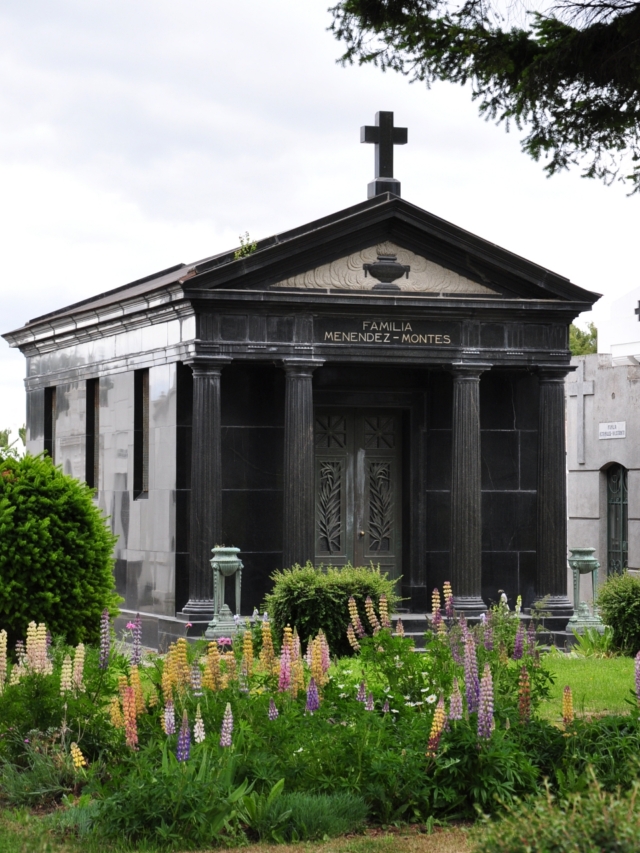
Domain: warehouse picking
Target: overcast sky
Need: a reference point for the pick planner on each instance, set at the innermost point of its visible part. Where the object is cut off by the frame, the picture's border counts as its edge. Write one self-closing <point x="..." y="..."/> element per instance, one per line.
<point x="139" y="134"/>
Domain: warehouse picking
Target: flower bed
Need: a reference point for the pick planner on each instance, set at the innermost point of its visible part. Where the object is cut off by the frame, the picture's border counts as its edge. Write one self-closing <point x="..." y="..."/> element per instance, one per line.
<point x="268" y="737"/>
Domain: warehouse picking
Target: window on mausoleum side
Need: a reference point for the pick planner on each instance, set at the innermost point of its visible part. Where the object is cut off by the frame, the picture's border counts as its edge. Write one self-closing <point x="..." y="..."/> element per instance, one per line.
<point x="50" y="422"/>
<point x="92" y="448"/>
<point x="141" y="434"/>
<point x="617" y="519"/>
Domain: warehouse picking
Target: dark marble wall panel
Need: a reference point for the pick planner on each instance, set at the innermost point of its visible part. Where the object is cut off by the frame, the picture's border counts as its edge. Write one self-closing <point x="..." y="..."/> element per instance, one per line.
<point x="252" y="471"/>
<point x="35" y="421"/>
<point x="508" y="419"/>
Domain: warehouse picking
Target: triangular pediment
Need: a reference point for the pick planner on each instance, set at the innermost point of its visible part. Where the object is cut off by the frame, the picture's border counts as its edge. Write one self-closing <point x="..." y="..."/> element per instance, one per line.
<point x="348" y="273"/>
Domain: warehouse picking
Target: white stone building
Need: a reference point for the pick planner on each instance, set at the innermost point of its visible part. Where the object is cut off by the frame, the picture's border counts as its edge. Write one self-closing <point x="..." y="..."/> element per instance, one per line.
<point x="603" y="444"/>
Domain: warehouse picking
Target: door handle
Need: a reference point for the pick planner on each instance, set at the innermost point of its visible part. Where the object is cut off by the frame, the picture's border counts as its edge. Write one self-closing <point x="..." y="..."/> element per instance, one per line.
<point x="361" y="533"/>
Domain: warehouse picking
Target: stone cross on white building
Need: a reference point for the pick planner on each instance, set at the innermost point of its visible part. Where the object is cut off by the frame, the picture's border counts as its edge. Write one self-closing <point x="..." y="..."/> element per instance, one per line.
<point x="580" y="389"/>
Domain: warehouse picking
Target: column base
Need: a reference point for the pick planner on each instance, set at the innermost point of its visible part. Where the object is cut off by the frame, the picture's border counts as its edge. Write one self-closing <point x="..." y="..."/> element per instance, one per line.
<point x="196" y="609"/>
<point x="469" y="605"/>
<point x="556" y="605"/>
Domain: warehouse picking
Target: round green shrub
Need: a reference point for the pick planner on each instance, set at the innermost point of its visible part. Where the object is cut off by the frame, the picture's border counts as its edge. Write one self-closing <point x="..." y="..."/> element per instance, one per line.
<point x="310" y="599"/>
<point x="619" y="603"/>
<point x="56" y="563"/>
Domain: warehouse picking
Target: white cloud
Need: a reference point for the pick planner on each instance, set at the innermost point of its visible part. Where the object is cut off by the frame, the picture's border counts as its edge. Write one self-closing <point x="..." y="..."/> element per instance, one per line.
<point x="138" y="135"/>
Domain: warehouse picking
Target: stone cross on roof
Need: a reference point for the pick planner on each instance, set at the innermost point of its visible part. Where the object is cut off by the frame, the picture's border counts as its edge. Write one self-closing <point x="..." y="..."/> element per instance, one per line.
<point x="384" y="136"/>
<point x="580" y="389"/>
<point x="637" y="311"/>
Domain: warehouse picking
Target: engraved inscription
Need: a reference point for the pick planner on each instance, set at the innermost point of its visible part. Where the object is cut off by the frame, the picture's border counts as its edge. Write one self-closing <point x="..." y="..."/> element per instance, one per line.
<point x="341" y="330"/>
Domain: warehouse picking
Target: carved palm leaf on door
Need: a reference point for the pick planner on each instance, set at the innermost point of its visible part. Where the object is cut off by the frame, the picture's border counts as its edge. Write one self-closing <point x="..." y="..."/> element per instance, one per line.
<point x="329" y="510"/>
<point x="380" y="506"/>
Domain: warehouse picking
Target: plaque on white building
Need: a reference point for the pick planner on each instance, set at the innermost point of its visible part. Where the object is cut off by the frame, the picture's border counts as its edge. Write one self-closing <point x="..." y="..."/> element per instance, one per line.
<point x="614" y="429"/>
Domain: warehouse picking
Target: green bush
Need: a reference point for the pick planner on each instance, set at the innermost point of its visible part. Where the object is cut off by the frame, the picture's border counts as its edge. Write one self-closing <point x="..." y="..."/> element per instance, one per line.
<point x="311" y="599"/>
<point x="619" y="603"/>
<point x="594" y="822"/>
<point x="56" y="562"/>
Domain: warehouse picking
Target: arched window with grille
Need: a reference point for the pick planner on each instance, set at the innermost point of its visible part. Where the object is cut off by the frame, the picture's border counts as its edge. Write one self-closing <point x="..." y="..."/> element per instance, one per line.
<point x="617" y="519"/>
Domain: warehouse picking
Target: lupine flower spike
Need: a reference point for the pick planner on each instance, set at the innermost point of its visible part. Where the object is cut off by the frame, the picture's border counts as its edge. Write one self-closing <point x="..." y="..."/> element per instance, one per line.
<point x="531" y="638"/>
<point x="518" y="648"/>
<point x="77" y="757"/>
<point x="368" y="705"/>
<point x="384" y="611"/>
<point x="355" y="618"/>
<point x="371" y="614"/>
<point x="136" y="651"/>
<point x="198" y="728"/>
<point x="399" y="628"/>
<point x="567" y="706"/>
<point x="184" y="739"/>
<point x="169" y="718"/>
<point x="66" y="672"/>
<point x="313" y="700"/>
<point x="437" y="727"/>
<point x="129" y="711"/>
<point x="448" y="599"/>
<point x="524" y="696"/>
<point x="637" y="673"/>
<point x="472" y="685"/>
<point x="284" y="681"/>
<point x="485" y="710"/>
<point x="3" y="659"/>
<point x="385" y="707"/>
<point x="273" y="711"/>
<point x="105" y="639"/>
<point x="227" y="727"/>
<point x="196" y="679"/>
<point x="455" y="704"/>
<point x="361" y="695"/>
<point x="353" y="640"/>
<point x="435" y="601"/>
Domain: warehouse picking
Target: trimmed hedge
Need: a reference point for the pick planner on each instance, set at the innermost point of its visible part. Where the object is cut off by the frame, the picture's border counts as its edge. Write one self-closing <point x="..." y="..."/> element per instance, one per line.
<point x="56" y="563"/>
<point x="619" y="604"/>
<point x="311" y="599"/>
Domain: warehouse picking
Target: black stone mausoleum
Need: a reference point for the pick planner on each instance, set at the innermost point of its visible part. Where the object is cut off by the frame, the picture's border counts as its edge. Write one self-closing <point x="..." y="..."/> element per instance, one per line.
<point x="376" y="386"/>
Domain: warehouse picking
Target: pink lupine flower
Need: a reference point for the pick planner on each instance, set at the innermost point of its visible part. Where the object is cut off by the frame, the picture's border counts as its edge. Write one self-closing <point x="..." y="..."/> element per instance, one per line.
<point x="455" y="703"/>
<point x="284" y="681"/>
<point x="472" y="685"/>
<point x="169" y="718"/>
<point x="368" y="705"/>
<point x="361" y="695"/>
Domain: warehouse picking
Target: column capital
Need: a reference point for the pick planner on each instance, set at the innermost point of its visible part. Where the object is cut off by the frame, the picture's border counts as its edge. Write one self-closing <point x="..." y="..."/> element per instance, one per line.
<point x="302" y="366"/>
<point x="202" y="365"/>
<point x="554" y="372"/>
<point x="468" y="370"/>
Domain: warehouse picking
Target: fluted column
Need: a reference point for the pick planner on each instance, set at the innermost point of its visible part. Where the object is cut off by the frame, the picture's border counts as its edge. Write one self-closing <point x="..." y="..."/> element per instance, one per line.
<point x="466" y="508"/>
<point x="299" y="492"/>
<point x="552" y="492"/>
<point x="206" y="485"/>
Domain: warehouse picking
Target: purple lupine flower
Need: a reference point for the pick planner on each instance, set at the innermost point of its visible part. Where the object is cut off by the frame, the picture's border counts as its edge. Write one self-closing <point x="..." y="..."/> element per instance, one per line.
<point x="227" y="726"/>
<point x="485" y="711"/>
<point x="313" y="700"/>
<point x="169" y="718"/>
<point x="361" y="695"/>
<point x="455" y="703"/>
<point x="368" y="705"/>
<point x="488" y="636"/>
<point x="464" y="628"/>
<point x="273" y="711"/>
<point x="455" y="649"/>
<point x="518" y="648"/>
<point x="105" y="639"/>
<point x="196" y="679"/>
<point x="471" y="682"/>
<point x="385" y="707"/>
<point x="437" y="619"/>
<point x="136" y="651"/>
<point x="531" y="638"/>
<point x="184" y="739"/>
<point x="638" y="676"/>
<point x="284" y="682"/>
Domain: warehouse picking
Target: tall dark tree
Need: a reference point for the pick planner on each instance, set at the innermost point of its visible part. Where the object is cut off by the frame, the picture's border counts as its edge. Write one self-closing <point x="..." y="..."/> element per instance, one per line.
<point x="570" y="78"/>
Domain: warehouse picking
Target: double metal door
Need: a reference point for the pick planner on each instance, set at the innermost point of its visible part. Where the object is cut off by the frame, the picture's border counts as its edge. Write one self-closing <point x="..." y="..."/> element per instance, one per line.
<point x="358" y="457"/>
<point x="617" y="519"/>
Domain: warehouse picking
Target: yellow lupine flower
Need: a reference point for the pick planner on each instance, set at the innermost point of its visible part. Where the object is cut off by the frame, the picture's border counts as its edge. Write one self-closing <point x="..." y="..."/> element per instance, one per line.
<point x="77" y="757"/>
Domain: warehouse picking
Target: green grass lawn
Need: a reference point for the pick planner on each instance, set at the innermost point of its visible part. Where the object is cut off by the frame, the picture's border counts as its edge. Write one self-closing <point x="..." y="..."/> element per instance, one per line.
<point x="599" y="685"/>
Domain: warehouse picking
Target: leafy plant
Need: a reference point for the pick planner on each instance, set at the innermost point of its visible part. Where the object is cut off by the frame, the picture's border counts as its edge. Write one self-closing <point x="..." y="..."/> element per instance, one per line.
<point x="313" y="599"/>
<point x="593" y="644"/>
<point x="590" y="822"/>
<point x="619" y="605"/>
<point x="247" y="247"/>
<point x="56" y="563"/>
